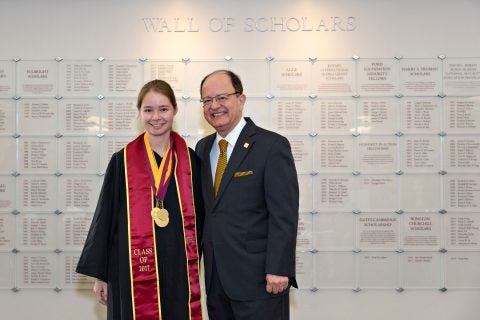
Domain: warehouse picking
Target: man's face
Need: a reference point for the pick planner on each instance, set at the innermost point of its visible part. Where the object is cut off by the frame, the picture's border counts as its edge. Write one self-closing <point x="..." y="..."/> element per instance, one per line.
<point x="222" y="115"/>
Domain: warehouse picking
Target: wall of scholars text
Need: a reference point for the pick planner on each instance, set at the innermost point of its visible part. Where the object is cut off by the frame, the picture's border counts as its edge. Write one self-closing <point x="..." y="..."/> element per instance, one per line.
<point x="387" y="152"/>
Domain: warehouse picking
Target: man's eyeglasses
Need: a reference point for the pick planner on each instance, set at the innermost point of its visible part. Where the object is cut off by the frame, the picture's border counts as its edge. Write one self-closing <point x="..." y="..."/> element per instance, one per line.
<point x="221" y="98"/>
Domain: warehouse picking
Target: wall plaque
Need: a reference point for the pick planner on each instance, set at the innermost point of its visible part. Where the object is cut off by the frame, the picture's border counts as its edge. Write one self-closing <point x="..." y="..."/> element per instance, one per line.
<point x="7" y="231"/>
<point x="462" y="153"/>
<point x="376" y="192"/>
<point x="461" y="76"/>
<point x="420" y="231"/>
<point x="259" y="110"/>
<point x="7" y="263"/>
<point x="304" y="270"/>
<point x="333" y="232"/>
<point x="377" y="153"/>
<point x="7" y="79"/>
<point x="37" y="116"/>
<point x="333" y="116"/>
<point x="79" y="78"/>
<point x="420" y="77"/>
<point x="172" y="72"/>
<point x="79" y="116"/>
<point x="7" y="117"/>
<point x="36" y="193"/>
<point x="463" y="231"/>
<point x="334" y="270"/>
<point x="37" y="155"/>
<point x="290" y="78"/>
<point x="420" y="153"/>
<point x="36" y="231"/>
<point x="421" y="270"/>
<point x="119" y="116"/>
<point x="377" y="232"/>
<point x="68" y="278"/>
<point x="420" y="115"/>
<point x="462" y="115"/>
<point x="73" y="229"/>
<point x="333" y="78"/>
<point x="37" y="78"/>
<point x="378" y="270"/>
<point x="80" y="192"/>
<point x="36" y="270"/>
<point x="304" y="233"/>
<point x="462" y="192"/>
<point x="420" y="192"/>
<point x="254" y="75"/>
<point x="462" y="270"/>
<point x="78" y="154"/>
<point x="121" y="78"/>
<point x="8" y="163"/>
<point x="333" y="154"/>
<point x="301" y="147"/>
<point x="291" y="116"/>
<point x="377" y="115"/>
<point x="333" y="193"/>
<point x="377" y="77"/>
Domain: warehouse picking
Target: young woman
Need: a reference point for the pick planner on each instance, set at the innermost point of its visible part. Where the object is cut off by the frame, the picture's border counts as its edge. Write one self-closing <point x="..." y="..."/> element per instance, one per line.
<point x="143" y="243"/>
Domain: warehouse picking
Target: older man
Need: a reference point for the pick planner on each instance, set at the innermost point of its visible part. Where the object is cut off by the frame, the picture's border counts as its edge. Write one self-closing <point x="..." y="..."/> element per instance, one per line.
<point x="250" y="191"/>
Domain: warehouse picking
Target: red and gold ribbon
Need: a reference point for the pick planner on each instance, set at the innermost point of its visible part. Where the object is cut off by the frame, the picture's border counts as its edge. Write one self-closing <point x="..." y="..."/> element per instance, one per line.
<point x="159" y="175"/>
<point x="142" y="250"/>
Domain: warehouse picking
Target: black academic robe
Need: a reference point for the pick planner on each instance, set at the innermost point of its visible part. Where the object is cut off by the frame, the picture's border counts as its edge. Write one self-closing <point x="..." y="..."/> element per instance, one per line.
<point x="105" y="254"/>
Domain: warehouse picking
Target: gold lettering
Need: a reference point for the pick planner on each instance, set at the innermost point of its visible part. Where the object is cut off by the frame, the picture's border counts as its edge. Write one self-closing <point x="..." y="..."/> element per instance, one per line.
<point x="144" y="268"/>
<point x="143" y="252"/>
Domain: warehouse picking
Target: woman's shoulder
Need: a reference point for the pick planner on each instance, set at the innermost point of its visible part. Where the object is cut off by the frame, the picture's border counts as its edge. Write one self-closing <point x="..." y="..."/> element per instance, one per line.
<point x="116" y="159"/>
<point x="118" y="155"/>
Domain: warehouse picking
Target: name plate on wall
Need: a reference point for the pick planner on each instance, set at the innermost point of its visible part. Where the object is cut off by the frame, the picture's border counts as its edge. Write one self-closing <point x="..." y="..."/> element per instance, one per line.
<point x="7" y="79"/>
<point x="36" y="270"/>
<point x="80" y="78"/>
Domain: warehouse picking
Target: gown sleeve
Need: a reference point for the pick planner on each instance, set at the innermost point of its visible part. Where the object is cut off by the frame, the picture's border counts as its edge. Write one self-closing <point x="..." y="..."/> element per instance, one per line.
<point x="98" y="247"/>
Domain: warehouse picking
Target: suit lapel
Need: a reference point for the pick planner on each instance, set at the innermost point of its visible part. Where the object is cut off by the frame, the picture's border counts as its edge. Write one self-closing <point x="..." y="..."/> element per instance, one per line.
<point x="243" y="145"/>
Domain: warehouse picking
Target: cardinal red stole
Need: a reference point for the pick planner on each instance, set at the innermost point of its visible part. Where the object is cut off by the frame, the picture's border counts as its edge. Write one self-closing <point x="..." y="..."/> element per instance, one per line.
<point x="142" y="250"/>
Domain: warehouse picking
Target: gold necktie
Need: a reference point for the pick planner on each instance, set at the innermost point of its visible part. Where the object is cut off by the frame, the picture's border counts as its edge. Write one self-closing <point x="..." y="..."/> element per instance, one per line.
<point x="221" y="164"/>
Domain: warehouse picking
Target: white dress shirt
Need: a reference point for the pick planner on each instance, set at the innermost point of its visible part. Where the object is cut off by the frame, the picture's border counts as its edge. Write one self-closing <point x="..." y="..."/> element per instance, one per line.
<point x="231" y="138"/>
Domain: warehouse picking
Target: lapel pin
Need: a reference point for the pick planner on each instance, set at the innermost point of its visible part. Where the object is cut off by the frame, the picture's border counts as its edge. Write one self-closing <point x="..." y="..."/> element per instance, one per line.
<point x="245" y="145"/>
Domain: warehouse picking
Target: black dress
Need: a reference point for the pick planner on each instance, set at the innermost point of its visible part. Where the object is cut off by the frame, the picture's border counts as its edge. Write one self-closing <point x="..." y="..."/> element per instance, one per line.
<point x="105" y="254"/>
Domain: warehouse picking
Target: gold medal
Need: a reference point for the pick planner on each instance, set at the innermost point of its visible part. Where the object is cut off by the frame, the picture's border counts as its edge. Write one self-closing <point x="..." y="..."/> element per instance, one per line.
<point x="160" y="216"/>
<point x="161" y="223"/>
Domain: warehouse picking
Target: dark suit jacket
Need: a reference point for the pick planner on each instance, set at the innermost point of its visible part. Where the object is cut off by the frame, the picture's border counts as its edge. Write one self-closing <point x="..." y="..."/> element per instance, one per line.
<point x="251" y="226"/>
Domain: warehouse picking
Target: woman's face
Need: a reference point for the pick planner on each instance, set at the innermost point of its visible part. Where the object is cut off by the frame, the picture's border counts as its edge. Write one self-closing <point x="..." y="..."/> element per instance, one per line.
<point x="156" y="114"/>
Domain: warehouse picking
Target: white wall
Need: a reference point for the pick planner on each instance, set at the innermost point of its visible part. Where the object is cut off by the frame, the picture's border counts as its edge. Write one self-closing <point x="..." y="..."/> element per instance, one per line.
<point x="72" y="29"/>
<point x="114" y="29"/>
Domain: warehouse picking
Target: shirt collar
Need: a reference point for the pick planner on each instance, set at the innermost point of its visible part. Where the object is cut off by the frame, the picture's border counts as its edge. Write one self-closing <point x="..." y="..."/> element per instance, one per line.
<point x="232" y="137"/>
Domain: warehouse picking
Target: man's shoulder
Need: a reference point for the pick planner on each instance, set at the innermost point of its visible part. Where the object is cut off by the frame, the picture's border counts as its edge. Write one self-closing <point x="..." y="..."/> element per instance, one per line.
<point x="268" y="135"/>
<point x="200" y="145"/>
<point x="267" y="132"/>
<point x="203" y="140"/>
<point x="252" y="126"/>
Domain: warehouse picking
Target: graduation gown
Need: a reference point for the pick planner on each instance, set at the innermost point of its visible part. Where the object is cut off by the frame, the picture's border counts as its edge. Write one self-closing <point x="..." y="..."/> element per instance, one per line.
<point x="105" y="255"/>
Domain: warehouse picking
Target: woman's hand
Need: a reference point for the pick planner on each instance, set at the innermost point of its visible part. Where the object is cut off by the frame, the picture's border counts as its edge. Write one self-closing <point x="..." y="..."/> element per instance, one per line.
<point x="100" y="289"/>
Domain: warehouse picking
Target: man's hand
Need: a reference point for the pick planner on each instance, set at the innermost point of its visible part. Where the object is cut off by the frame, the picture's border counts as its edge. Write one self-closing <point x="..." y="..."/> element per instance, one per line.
<point x="276" y="284"/>
<point x="100" y="289"/>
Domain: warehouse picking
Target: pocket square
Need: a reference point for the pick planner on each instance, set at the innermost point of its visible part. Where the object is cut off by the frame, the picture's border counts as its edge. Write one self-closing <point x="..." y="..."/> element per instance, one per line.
<point x="242" y="173"/>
